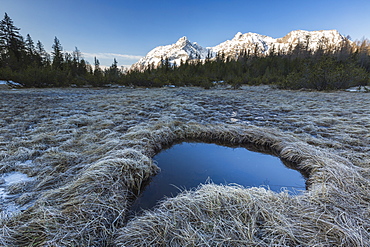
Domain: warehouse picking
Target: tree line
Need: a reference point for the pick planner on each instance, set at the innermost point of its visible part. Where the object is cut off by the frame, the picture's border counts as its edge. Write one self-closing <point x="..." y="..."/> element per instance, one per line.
<point x="23" y="61"/>
<point x="323" y="69"/>
<point x="26" y="62"/>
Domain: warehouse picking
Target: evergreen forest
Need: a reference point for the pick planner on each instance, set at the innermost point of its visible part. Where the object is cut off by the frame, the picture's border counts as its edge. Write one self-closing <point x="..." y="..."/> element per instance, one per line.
<point x="26" y="62"/>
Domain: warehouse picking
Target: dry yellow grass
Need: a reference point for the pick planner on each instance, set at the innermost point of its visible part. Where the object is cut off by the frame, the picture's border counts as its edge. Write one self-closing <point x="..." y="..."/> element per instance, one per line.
<point x="90" y="154"/>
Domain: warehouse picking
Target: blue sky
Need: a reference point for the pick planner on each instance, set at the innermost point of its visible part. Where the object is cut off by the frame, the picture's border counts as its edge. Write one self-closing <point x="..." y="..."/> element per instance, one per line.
<point x="128" y="29"/>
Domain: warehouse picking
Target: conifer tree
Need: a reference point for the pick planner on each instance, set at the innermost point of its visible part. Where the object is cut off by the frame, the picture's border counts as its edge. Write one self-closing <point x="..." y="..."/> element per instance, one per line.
<point x="11" y="42"/>
<point x="57" y="54"/>
<point x="77" y="55"/>
<point x="96" y="64"/>
<point x="30" y="46"/>
<point x="42" y="55"/>
<point x="113" y="72"/>
<point x="9" y="33"/>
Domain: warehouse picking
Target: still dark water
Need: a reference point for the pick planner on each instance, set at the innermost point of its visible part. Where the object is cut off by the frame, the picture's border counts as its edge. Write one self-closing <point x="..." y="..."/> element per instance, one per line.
<point x="186" y="165"/>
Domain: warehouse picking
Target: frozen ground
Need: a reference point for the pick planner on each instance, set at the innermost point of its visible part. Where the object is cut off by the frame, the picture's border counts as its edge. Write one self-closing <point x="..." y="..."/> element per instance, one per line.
<point x="82" y="147"/>
<point x="9" y="181"/>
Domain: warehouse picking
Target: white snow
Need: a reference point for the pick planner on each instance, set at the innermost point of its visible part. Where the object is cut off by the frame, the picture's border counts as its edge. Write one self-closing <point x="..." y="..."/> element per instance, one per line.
<point x="15" y="84"/>
<point x="8" y="179"/>
<point x="15" y="177"/>
<point x="7" y="206"/>
<point x="10" y="83"/>
<point x="358" y="89"/>
<point x="183" y="50"/>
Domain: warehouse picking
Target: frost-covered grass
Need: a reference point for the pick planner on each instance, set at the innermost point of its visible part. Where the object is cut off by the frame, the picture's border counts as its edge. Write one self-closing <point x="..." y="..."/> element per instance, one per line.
<point x="89" y="153"/>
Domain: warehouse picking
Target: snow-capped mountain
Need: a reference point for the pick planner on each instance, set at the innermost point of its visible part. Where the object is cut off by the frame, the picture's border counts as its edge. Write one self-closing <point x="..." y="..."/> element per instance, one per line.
<point x="314" y="39"/>
<point x="252" y="43"/>
<point x="182" y="50"/>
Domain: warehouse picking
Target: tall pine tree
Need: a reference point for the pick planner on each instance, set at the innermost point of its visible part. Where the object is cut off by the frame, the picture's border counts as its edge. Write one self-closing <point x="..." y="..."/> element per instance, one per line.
<point x="57" y="54"/>
<point x="11" y="43"/>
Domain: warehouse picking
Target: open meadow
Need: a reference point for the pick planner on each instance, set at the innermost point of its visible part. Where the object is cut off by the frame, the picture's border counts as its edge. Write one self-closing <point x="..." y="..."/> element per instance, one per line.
<point x="87" y="154"/>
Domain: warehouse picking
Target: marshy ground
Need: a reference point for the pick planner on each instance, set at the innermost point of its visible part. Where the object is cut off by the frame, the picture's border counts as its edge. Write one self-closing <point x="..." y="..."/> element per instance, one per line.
<point x="89" y="153"/>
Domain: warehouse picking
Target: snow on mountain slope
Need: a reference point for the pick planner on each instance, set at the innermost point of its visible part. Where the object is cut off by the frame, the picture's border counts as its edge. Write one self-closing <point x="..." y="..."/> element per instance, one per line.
<point x="182" y="50"/>
<point x="252" y="43"/>
<point x="315" y="39"/>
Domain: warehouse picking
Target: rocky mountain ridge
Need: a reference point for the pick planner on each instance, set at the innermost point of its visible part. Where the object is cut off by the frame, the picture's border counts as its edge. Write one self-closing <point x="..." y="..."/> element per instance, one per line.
<point x="252" y="43"/>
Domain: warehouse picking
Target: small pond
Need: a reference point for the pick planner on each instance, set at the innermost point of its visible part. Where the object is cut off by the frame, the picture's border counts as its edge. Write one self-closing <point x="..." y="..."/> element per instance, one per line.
<point x="186" y="165"/>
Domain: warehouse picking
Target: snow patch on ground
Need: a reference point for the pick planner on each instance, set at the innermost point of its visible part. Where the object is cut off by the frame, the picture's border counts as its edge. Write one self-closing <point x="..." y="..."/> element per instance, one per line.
<point x="358" y="89"/>
<point x="8" y="206"/>
<point x="10" y="83"/>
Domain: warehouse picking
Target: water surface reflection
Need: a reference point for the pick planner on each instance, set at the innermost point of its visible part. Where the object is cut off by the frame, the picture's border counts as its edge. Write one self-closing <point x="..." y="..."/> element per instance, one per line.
<point x="186" y="165"/>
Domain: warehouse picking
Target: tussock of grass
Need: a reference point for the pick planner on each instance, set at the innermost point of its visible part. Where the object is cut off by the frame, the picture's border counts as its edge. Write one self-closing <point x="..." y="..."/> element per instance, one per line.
<point x="334" y="211"/>
<point x="86" y="211"/>
<point x="89" y="152"/>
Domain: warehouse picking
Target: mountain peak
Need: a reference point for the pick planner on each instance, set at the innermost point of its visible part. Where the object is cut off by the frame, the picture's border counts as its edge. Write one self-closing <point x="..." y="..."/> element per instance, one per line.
<point x="253" y="43"/>
<point x="237" y="36"/>
<point x="181" y="51"/>
<point x="299" y="34"/>
<point x="182" y="40"/>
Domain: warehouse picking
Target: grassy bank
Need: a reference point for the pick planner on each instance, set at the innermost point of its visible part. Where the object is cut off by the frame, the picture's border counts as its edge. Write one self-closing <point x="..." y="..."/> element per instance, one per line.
<point x="90" y="153"/>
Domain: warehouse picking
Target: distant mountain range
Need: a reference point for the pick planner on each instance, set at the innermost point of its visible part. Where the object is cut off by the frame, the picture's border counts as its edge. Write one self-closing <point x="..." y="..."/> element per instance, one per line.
<point x="252" y="43"/>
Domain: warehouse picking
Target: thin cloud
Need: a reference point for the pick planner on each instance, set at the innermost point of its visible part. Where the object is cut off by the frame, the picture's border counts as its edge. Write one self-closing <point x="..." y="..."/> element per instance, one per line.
<point x="110" y="56"/>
